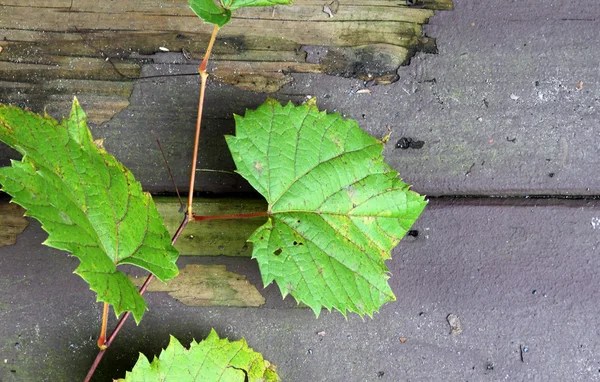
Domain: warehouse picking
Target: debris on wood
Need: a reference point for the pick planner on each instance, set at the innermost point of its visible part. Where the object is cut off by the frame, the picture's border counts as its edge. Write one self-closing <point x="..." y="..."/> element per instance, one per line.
<point x="455" y="324"/>
<point x="331" y="8"/>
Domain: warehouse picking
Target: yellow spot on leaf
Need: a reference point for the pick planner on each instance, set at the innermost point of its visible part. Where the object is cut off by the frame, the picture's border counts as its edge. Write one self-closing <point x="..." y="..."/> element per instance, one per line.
<point x="258" y="166"/>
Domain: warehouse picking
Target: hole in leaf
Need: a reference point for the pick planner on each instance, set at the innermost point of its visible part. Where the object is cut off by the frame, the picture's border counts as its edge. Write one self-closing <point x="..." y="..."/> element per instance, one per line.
<point x="298" y="221"/>
<point x="277" y="252"/>
<point x="295" y="243"/>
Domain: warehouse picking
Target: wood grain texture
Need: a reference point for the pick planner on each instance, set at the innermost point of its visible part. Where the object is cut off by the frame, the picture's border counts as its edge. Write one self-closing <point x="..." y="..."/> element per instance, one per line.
<point x="12" y="222"/>
<point x="207" y="285"/>
<point x="53" y="49"/>
<point x="215" y="237"/>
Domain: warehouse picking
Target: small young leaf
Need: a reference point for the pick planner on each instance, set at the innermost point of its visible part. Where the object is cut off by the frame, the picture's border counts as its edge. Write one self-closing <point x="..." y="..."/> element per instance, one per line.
<point x="87" y="201"/>
<point x="335" y="208"/>
<point x="220" y="14"/>
<point x="208" y="11"/>
<point x="211" y="360"/>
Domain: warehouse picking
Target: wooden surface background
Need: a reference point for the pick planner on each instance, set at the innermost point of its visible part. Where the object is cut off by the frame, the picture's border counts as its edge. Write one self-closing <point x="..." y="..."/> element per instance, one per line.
<point x="508" y="107"/>
<point x="53" y="49"/>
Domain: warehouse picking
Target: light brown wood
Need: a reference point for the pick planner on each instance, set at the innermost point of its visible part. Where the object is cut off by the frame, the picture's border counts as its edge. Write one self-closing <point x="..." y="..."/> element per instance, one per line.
<point x="207" y="285"/>
<point x="214" y="237"/>
<point x="95" y="50"/>
<point x="12" y="222"/>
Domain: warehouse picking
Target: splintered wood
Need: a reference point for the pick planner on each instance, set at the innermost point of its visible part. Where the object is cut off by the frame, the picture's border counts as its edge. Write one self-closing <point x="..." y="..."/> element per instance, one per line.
<point x="53" y="49"/>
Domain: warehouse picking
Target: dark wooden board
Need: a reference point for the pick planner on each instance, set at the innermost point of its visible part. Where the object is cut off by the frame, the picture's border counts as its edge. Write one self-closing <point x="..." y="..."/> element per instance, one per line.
<point x="499" y="108"/>
<point x="516" y="274"/>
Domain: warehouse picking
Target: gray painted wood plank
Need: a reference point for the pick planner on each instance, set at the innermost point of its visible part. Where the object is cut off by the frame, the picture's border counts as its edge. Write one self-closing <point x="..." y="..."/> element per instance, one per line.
<point x="499" y="108"/>
<point x="522" y="274"/>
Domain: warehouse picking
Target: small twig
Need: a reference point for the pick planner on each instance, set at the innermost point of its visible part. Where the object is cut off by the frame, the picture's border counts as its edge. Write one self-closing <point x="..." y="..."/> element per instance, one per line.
<point x="121" y="322"/>
<point x="521" y="351"/>
<point x="469" y="170"/>
<point x="181" y="205"/>
<point x="101" y="53"/>
<point x="210" y="170"/>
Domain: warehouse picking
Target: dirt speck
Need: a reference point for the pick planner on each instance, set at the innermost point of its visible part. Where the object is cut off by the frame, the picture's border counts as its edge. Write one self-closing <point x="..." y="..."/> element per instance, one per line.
<point x="406" y="143"/>
<point x="455" y="324"/>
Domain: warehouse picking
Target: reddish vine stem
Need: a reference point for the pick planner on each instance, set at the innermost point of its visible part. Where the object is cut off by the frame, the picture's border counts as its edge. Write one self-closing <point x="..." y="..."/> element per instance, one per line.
<point x="189" y="215"/>
<point x="102" y="337"/>
<point x="234" y="216"/>
<point x="203" y="78"/>
<point x="121" y="322"/>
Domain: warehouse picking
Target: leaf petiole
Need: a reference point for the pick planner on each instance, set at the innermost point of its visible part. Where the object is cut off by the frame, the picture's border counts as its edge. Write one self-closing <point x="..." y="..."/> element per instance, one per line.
<point x="102" y="337"/>
<point x="124" y="318"/>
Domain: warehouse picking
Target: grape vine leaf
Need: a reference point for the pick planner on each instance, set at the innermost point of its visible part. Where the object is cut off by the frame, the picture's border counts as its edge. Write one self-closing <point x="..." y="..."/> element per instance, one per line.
<point x="87" y="201"/>
<point x="220" y="14"/>
<point x="211" y="360"/>
<point x="335" y="208"/>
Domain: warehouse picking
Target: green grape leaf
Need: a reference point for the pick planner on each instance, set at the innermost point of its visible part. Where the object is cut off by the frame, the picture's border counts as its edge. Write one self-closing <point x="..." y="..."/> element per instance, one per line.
<point x="210" y="12"/>
<point x="336" y="209"/>
<point x="211" y="360"/>
<point x="220" y="14"/>
<point x="87" y="201"/>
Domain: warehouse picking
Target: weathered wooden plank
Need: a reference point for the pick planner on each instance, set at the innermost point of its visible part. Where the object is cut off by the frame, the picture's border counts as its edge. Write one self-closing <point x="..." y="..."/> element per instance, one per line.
<point x="513" y="271"/>
<point x="300" y="7"/>
<point x="87" y="40"/>
<point x="12" y="222"/>
<point x="301" y="32"/>
<point x="101" y="99"/>
<point x="215" y="237"/>
<point x="57" y="67"/>
<point x="207" y="285"/>
<point x="301" y="11"/>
